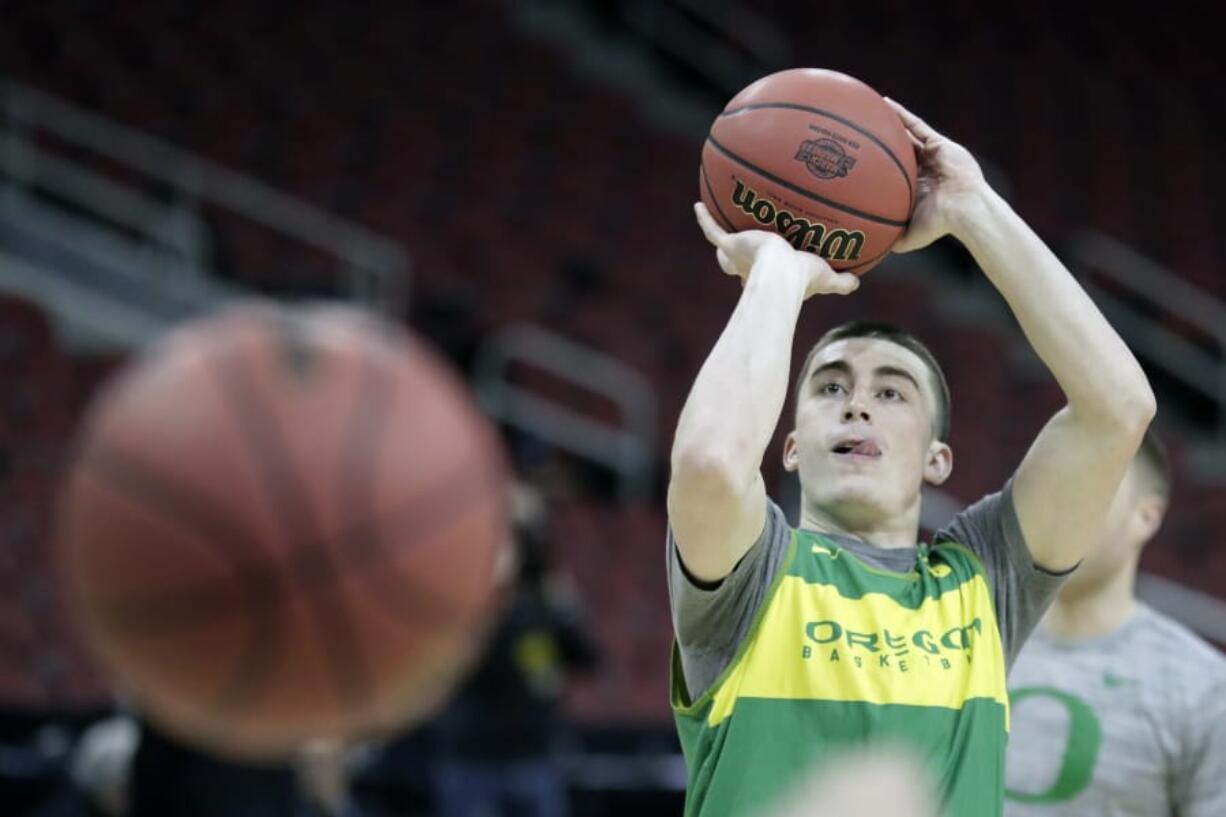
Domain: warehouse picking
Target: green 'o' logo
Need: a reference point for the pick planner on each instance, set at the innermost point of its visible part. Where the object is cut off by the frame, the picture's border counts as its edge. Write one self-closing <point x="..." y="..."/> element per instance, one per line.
<point x="1080" y="755"/>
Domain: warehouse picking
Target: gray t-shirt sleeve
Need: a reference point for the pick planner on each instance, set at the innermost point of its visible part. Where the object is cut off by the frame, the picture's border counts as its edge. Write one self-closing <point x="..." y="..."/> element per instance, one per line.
<point x="1200" y="773"/>
<point x="711" y="620"/>
<point x="1021" y="590"/>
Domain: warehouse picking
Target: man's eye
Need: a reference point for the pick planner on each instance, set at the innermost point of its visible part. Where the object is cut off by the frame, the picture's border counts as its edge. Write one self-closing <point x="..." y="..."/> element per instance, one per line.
<point x="830" y="388"/>
<point x="891" y="394"/>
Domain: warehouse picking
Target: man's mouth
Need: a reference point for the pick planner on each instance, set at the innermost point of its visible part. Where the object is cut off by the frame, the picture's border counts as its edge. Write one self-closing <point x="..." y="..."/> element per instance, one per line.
<point x="856" y="448"/>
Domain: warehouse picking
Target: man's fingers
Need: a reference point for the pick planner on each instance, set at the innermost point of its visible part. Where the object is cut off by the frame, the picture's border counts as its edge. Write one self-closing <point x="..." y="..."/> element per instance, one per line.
<point x="725" y="263"/>
<point x="910" y="243"/>
<point x="829" y="282"/>
<point x="921" y="129"/>
<point x="844" y="283"/>
<point x="714" y="233"/>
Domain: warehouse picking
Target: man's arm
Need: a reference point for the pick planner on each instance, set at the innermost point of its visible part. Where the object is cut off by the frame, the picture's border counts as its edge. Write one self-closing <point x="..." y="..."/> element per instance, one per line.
<point x="1070" y="475"/>
<point x="716" y="497"/>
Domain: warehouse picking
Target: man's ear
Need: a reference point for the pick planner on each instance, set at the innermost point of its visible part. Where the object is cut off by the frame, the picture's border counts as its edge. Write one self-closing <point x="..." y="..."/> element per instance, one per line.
<point x="791" y="453"/>
<point x="1147" y="516"/>
<point x="940" y="463"/>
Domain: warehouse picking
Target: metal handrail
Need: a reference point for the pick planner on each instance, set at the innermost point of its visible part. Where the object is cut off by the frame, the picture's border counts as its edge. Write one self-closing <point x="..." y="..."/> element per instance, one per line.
<point x="377" y="267"/>
<point x="627" y="449"/>
<point x="1162" y="288"/>
<point x="733" y="45"/>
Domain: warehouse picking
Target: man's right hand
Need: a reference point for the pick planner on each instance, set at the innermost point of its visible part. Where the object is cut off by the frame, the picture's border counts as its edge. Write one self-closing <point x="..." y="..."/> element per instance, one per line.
<point x="737" y="253"/>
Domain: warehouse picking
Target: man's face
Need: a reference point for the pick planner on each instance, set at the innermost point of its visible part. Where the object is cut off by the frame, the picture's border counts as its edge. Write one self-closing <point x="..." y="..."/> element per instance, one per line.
<point x="864" y="441"/>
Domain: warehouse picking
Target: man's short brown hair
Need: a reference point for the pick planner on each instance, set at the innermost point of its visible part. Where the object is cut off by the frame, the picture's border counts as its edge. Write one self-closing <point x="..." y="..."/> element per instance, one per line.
<point x="886" y="331"/>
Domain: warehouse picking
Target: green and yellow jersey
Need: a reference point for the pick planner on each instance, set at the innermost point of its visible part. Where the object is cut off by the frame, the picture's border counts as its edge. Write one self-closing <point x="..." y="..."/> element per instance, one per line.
<point x="817" y="643"/>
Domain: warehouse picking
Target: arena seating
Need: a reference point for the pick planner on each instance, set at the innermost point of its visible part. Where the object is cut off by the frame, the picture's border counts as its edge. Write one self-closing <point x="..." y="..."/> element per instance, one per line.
<point x="43" y="664"/>
<point x="500" y="169"/>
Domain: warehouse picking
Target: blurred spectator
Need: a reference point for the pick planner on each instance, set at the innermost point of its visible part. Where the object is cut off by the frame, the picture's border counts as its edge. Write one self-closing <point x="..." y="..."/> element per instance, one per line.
<point x="101" y="765"/>
<point x="323" y="769"/>
<point x="497" y="741"/>
<point x="167" y="777"/>
<point x="35" y="746"/>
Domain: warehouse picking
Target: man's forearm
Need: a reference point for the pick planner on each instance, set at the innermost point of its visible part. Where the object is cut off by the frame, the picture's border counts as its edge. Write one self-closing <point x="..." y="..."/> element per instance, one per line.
<point x="1092" y="364"/>
<point x="734" y="405"/>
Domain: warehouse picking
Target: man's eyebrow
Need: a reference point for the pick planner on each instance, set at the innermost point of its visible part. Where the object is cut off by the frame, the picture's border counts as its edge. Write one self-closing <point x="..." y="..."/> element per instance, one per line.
<point x="835" y="365"/>
<point x="894" y="371"/>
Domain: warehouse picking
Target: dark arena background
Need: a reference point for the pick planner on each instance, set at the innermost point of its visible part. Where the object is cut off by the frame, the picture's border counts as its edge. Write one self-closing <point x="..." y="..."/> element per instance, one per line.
<point x="514" y="180"/>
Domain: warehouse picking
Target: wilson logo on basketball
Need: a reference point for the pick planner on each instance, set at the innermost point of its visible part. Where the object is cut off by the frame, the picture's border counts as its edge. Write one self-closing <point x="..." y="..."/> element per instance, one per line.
<point x="837" y="244"/>
<point x="825" y="158"/>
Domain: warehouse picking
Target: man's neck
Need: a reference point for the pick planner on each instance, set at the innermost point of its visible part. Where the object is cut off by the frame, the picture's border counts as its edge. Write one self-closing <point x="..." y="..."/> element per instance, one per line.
<point x="899" y="532"/>
<point x="1094" y="612"/>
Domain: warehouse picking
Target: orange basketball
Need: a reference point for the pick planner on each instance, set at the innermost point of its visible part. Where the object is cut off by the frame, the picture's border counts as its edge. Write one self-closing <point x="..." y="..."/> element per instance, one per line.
<point x="816" y="156"/>
<point x="284" y="524"/>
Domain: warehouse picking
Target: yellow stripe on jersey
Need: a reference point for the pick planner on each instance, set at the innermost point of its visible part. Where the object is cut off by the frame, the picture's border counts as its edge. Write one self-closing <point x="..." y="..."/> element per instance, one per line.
<point x="812" y="643"/>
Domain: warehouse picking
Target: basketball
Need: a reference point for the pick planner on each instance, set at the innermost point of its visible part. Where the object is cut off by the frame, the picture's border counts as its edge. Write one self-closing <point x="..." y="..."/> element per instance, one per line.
<point x="816" y="156"/>
<point x="284" y="524"/>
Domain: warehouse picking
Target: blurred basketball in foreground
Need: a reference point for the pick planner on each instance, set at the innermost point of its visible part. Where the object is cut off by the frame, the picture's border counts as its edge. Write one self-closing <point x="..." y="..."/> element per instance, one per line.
<point x="284" y="524"/>
<point x="816" y="156"/>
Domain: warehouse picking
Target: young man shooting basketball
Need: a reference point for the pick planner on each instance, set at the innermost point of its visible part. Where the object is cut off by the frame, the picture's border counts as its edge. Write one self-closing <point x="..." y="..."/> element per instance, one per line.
<point x="794" y="645"/>
<point x="1118" y="709"/>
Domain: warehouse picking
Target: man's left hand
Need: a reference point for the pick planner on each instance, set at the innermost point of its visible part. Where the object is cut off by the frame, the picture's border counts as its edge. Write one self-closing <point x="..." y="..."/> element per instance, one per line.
<point x="950" y="184"/>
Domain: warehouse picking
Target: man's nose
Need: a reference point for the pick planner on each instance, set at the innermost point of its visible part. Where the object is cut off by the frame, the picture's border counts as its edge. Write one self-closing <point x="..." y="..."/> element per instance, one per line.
<point x="855" y="410"/>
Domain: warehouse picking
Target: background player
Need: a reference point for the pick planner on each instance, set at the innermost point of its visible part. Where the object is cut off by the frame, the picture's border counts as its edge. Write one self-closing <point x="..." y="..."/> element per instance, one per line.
<point x="753" y="601"/>
<point x="1118" y="709"/>
<point x="496" y="744"/>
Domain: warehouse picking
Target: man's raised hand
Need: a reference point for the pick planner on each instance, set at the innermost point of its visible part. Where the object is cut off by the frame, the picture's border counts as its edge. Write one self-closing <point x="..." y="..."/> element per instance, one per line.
<point x="950" y="181"/>
<point x="738" y="253"/>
